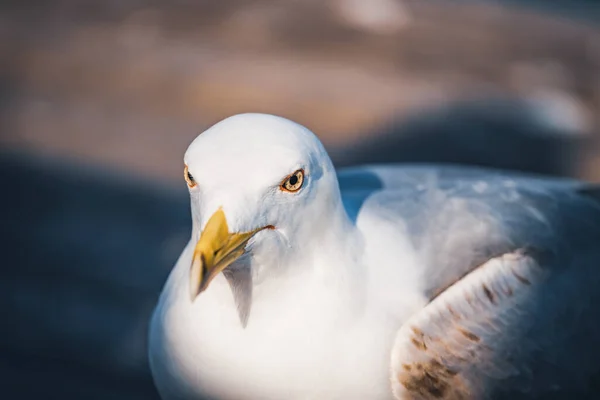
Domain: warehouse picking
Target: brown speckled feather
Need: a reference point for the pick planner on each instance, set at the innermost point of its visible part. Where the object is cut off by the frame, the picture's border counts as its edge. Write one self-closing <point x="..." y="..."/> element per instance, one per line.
<point x="512" y="267"/>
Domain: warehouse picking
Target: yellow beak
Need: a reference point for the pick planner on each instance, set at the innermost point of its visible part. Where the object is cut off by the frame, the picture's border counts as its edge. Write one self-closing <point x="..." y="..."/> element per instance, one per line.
<point x="215" y="251"/>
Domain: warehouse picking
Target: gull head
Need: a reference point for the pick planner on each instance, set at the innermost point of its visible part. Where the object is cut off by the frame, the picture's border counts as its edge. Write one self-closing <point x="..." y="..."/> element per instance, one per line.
<point x="262" y="190"/>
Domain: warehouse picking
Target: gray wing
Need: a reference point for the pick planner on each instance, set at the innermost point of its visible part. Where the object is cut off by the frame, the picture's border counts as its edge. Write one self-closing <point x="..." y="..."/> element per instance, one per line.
<point x="512" y="267"/>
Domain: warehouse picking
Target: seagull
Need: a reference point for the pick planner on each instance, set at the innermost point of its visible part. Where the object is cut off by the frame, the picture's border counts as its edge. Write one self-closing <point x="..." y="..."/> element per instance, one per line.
<point x="374" y="282"/>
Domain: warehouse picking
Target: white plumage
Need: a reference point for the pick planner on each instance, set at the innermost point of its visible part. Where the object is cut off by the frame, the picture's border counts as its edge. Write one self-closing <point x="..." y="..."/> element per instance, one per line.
<point x="389" y="282"/>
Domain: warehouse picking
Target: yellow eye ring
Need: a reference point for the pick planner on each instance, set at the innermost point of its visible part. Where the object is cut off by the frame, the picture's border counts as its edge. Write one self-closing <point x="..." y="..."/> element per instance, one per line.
<point x="188" y="178"/>
<point x="292" y="183"/>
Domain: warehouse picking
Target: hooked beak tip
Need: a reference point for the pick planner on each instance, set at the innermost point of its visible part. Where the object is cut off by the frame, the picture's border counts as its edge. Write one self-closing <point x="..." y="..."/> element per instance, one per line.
<point x="216" y="249"/>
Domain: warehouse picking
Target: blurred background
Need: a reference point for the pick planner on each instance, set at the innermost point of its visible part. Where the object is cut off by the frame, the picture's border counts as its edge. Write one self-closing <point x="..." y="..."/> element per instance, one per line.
<point x="100" y="99"/>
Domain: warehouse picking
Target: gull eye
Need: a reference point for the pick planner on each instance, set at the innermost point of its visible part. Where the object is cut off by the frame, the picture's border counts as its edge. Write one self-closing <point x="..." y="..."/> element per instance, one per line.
<point x="188" y="177"/>
<point x="294" y="182"/>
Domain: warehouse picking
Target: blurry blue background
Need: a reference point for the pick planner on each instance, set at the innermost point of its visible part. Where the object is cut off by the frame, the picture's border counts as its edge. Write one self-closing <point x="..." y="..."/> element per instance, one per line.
<point x="99" y="100"/>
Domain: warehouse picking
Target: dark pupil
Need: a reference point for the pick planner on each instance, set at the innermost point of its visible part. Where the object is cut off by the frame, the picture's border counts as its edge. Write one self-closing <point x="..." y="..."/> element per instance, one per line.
<point x="190" y="177"/>
<point x="293" y="180"/>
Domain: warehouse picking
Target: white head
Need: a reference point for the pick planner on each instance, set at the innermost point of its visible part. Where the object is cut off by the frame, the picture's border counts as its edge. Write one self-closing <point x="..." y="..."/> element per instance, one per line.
<point x="262" y="189"/>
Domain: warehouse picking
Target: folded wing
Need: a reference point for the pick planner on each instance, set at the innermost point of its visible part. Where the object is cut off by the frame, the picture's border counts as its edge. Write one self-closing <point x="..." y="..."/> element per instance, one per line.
<point x="522" y="324"/>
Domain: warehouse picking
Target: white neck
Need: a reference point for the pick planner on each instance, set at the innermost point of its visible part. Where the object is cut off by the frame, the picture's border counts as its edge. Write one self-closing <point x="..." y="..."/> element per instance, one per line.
<point x="324" y="270"/>
<point x="313" y="314"/>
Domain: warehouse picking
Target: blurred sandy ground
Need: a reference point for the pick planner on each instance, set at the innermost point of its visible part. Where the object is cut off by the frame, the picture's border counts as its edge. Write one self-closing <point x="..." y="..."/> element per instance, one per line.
<point x="128" y="84"/>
